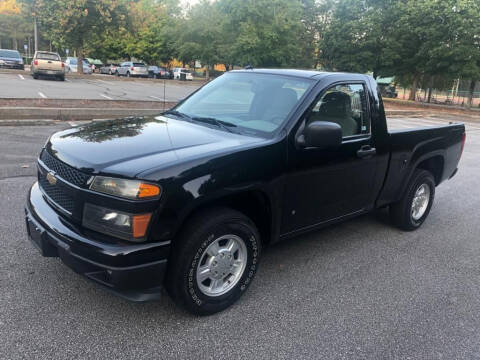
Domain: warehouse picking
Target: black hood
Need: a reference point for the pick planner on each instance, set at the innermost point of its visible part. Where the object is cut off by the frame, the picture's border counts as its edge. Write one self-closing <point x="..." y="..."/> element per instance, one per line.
<point x="132" y="145"/>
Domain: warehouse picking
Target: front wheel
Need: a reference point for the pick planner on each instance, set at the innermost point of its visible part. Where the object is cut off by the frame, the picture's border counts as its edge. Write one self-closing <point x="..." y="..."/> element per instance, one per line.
<point x="412" y="210"/>
<point x="214" y="261"/>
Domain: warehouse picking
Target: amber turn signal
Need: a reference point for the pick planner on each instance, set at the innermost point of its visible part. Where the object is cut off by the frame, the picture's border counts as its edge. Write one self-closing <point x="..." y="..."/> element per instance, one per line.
<point x="148" y="190"/>
<point x="140" y="225"/>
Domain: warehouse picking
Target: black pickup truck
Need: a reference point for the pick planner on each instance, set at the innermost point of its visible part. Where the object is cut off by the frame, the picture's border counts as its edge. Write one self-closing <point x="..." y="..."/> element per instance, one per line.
<point x="189" y="198"/>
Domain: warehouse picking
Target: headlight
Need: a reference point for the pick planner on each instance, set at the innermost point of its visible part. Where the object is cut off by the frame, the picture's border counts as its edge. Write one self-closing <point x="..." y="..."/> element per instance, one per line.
<point x="130" y="189"/>
<point x="116" y="223"/>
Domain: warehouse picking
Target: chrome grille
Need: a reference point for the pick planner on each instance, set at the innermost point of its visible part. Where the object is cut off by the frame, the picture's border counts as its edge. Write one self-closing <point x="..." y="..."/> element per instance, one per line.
<point x="66" y="172"/>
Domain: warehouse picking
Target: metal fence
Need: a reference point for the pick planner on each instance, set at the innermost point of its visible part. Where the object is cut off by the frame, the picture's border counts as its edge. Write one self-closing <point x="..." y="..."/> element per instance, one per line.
<point x="444" y="97"/>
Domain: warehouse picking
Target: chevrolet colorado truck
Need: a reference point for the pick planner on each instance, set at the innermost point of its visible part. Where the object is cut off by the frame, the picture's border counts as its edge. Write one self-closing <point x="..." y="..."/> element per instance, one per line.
<point x="188" y="199"/>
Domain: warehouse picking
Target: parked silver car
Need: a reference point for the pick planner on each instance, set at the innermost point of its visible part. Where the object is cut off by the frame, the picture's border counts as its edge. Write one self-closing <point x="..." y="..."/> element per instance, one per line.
<point x="110" y="69"/>
<point x="71" y="65"/>
<point x="130" y="68"/>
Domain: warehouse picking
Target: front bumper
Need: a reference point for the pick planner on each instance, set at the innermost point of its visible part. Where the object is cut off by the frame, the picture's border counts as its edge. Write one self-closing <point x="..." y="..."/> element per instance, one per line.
<point x="12" y="66"/>
<point x="133" y="271"/>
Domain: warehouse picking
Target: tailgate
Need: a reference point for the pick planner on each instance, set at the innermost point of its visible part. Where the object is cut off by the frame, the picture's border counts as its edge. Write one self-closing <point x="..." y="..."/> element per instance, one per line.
<point x="49" y="65"/>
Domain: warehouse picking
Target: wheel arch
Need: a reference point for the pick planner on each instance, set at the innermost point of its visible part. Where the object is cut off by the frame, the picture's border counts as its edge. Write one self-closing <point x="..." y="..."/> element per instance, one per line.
<point x="255" y="204"/>
<point x="435" y="165"/>
<point x="432" y="162"/>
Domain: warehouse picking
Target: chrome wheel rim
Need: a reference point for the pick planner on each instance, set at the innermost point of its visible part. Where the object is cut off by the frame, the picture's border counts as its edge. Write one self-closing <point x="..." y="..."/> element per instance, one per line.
<point x="420" y="201"/>
<point x="221" y="265"/>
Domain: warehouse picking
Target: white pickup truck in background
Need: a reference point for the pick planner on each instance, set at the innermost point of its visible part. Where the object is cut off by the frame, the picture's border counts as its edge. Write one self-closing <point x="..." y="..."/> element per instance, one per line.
<point x="47" y="64"/>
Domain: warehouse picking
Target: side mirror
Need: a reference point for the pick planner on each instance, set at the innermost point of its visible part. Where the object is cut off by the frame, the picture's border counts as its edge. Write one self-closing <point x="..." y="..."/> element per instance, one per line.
<point x="321" y="134"/>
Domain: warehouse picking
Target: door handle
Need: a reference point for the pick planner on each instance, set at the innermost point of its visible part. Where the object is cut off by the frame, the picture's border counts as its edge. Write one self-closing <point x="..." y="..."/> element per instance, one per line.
<point x="366" y="151"/>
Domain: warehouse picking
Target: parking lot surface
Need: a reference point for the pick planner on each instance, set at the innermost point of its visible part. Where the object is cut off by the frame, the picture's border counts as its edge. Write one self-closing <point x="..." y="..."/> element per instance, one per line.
<point x="17" y="85"/>
<point x="359" y="290"/>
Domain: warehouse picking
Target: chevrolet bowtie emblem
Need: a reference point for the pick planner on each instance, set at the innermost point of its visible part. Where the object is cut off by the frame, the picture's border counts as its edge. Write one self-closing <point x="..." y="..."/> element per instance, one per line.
<point x="52" y="180"/>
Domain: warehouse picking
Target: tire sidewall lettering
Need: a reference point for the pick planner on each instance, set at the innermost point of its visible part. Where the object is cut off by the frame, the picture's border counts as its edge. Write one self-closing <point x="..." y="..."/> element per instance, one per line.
<point x="252" y="249"/>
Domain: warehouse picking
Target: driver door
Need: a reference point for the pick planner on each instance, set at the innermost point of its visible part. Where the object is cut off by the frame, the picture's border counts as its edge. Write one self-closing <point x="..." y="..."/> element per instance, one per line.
<point x="328" y="184"/>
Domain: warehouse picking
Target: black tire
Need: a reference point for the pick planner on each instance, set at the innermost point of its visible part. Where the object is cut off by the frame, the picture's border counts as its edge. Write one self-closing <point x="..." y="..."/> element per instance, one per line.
<point x="35" y="76"/>
<point x="401" y="212"/>
<point x="62" y="78"/>
<point x="187" y="253"/>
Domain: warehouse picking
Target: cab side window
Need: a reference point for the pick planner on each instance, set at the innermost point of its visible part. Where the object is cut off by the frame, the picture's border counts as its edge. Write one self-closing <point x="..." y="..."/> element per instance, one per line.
<point x="346" y="105"/>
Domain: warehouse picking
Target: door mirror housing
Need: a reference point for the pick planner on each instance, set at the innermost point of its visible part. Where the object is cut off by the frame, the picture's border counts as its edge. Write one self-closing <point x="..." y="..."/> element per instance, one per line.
<point x="321" y="135"/>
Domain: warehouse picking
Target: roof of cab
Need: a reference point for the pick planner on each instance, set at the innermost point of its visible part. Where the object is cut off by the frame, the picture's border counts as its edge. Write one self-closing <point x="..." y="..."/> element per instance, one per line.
<point x="294" y="72"/>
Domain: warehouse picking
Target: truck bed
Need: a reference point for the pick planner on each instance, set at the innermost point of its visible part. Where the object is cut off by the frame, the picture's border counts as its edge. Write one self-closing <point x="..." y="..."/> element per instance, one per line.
<point x="409" y="149"/>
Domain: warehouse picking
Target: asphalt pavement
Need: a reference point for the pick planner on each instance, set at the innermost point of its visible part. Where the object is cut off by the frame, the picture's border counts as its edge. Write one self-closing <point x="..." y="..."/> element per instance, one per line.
<point x="358" y="290"/>
<point x="96" y="86"/>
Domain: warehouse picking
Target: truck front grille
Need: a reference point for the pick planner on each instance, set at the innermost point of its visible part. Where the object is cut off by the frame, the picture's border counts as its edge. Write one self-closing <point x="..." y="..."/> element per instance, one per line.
<point x="57" y="194"/>
<point x="66" y="172"/>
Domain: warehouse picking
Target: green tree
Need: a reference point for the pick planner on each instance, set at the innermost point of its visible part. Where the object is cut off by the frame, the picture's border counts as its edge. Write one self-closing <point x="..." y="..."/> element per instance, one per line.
<point x="72" y="23"/>
<point x="200" y="35"/>
<point x="271" y="32"/>
<point x="356" y="36"/>
<point x="150" y="36"/>
<point x="15" y="24"/>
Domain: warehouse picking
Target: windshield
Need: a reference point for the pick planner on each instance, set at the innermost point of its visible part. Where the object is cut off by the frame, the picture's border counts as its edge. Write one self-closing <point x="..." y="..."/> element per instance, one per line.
<point x="10" y="54"/>
<point x="139" y="64"/>
<point x="47" y="56"/>
<point x="258" y="103"/>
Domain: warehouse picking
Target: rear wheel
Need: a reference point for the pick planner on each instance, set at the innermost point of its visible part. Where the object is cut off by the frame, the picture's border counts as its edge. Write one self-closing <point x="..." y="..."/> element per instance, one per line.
<point x="412" y="210"/>
<point x="213" y="261"/>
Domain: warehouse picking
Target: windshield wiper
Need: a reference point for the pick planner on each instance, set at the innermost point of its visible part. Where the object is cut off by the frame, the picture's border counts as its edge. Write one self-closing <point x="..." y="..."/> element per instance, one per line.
<point x="225" y="125"/>
<point x="177" y="113"/>
<point x="207" y="120"/>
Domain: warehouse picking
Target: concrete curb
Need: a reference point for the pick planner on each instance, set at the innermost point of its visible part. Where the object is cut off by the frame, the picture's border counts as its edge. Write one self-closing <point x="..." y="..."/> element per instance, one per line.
<point x="28" y="122"/>
<point x="46" y="116"/>
<point x="83" y="103"/>
<point x="8" y="113"/>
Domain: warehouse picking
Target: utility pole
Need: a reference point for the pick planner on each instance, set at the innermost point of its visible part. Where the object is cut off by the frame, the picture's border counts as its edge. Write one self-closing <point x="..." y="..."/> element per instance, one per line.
<point x="35" y="32"/>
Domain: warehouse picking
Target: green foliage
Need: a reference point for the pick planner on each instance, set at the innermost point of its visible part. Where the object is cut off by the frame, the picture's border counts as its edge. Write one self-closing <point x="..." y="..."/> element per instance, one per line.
<point x="71" y="23"/>
<point x="410" y="38"/>
<point x="15" y="25"/>
<point x="428" y="42"/>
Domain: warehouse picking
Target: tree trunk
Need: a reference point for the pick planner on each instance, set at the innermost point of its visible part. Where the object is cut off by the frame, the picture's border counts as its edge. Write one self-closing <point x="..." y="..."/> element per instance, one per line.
<point x="470" y="93"/>
<point x="79" y="60"/>
<point x="15" y="43"/>
<point x="207" y="72"/>
<point x="430" y="88"/>
<point x="413" y="90"/>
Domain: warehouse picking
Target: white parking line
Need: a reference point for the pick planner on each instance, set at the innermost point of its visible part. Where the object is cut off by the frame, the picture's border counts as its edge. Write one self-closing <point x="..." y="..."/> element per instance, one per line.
<point x="102" y="81"/>
<point x="68" y="80"/>
<point x="155" y="97"/>
<point x="21" y="77"/>
<point x="42" y="95"/>
<point x="106" y="97"/>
